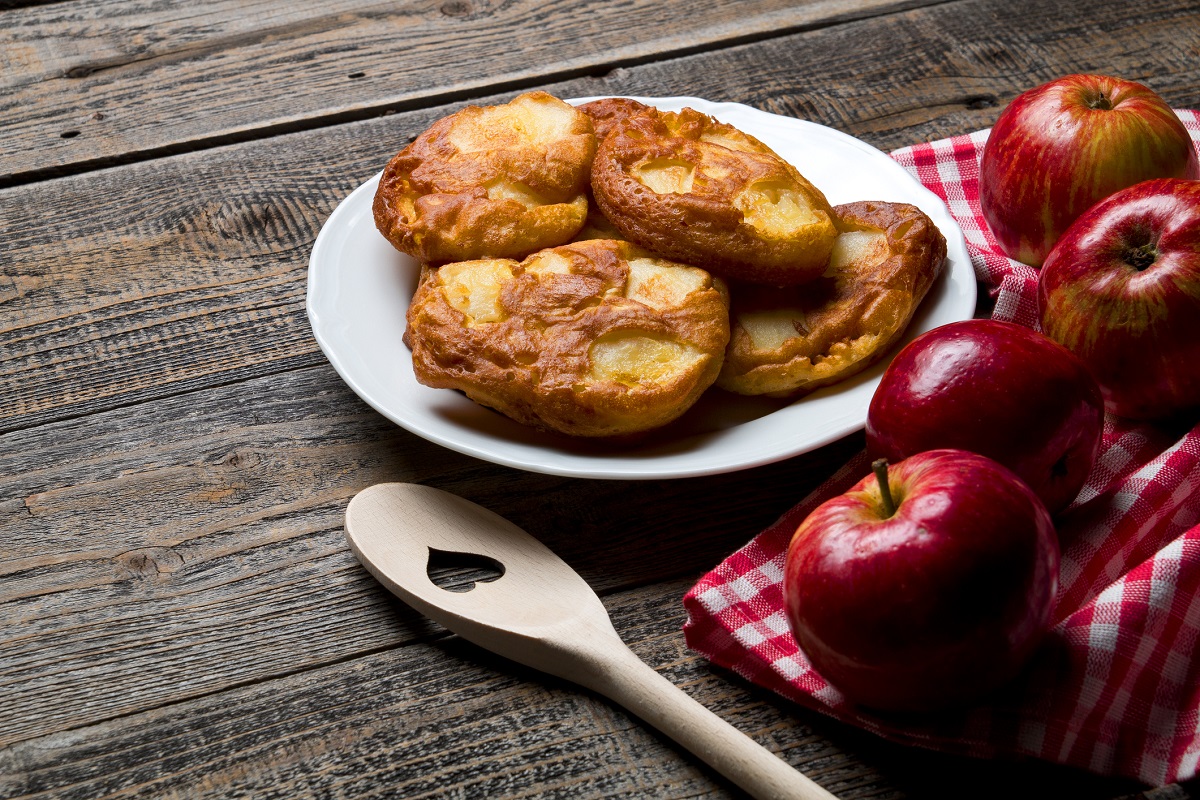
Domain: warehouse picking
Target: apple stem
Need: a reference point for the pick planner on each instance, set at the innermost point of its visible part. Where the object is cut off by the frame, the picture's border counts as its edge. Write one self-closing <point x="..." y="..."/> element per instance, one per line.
<point x="1142" y="257"/>
<point x="880" y="468"/>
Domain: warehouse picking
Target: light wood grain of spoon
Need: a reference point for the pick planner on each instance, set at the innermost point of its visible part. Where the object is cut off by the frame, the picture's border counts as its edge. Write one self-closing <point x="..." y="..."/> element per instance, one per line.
<point x="540" y="613"/>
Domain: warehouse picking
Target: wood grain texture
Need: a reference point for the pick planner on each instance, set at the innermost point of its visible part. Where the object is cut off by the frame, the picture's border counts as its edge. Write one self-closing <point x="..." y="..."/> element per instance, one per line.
<point x="172" y="549"/>
<point x="179" y="613"/>
<point x="84" y="84"/>
<point x="110" y="283"/>
<point x="540" y="613"/>
<point x="444" y="719"/>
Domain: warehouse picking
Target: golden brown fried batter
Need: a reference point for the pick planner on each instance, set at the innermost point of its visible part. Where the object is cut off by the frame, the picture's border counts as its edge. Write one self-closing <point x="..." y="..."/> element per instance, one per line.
<point x="594" y="338"/>
<point x="606" y="113"/>
<point x="609" y="112"/>
<point x="597" y="226"/>
<point x="494" y="182"/>
<point x="789" y="342"/>
<point x="697" y="190"/>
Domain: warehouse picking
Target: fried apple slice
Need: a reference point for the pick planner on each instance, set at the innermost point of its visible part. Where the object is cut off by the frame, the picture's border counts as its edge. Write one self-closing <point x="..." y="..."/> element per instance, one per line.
<point x="785" y="343"/>
<point x="489" y="182"/>
<point x="697" y="190"/>
<point x="595" y="338"/>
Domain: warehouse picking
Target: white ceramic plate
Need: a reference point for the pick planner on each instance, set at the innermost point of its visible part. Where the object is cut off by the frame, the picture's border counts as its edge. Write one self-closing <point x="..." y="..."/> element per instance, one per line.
<point x="359" y="288"/>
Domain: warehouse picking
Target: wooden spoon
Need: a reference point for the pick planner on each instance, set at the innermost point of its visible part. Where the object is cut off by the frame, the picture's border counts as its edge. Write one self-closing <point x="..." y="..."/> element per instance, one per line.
<point x="540" y="613"/>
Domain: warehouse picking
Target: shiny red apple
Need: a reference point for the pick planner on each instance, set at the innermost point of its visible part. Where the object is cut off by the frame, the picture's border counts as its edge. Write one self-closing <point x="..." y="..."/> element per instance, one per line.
<point x="933" y="601"/>
<point x="1060" y="148"/>
<point x="1122" y="291"/>
<point x="998" y="389"/>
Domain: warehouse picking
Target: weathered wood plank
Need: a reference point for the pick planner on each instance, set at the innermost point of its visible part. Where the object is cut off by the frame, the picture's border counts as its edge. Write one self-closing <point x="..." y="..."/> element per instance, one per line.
<point x="176" y="548"/>
<point x="86" y="83"/>
<point x="178" y="612"/>
<point x="447" y="720"/>
<point x="111" y="282"/>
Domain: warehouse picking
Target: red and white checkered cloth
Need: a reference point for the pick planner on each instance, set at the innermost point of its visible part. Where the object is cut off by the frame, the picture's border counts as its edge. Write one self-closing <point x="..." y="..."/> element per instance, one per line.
<point x="1115" y="688"/>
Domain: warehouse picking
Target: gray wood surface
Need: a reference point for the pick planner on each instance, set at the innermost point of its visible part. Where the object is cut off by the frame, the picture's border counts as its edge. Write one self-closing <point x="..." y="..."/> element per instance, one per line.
<point x="198" y="545"/>
<point x="179" y="613"/>
<point x="88" y="84"/>
<point x="161" y="252"/>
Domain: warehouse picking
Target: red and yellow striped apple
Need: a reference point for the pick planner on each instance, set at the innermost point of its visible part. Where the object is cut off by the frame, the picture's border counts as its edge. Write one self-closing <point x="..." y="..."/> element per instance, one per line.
<point x="1057" y="150"/>
<point x="1121" y="290"/>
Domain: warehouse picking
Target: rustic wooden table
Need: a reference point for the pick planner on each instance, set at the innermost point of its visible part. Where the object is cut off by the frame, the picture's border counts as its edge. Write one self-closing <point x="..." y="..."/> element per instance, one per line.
<point x="180" y="615"/>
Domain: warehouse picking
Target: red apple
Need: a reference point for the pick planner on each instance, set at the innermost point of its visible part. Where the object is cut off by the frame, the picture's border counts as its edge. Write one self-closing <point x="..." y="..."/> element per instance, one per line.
<point x="1122" y="291"/>
<point x="998" y="389"/>
<point x="1060" y="148"/>
<point x="934" y="602"/>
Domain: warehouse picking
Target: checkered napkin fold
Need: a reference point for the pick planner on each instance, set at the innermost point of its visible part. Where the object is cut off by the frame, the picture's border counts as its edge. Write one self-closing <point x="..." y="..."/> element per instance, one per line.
<point x="1115" y="687"/>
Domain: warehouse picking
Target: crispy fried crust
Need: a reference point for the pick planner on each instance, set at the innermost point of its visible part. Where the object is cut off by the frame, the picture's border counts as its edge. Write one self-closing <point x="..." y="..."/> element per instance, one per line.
<point x="788" y="343"/>
<point x="606" y="114"/>
<point x="697" y="190"/>
<point x="597" y="226"/>
<point x="595" y="338"/>
<point x="610" y="112"/>
<point x="496" y="182"/>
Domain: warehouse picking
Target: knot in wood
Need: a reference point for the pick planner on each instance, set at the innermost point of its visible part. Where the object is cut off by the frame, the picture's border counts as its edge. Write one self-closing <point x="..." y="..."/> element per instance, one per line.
<point x="147" y="562"/>
<point x="456" y="8"/>
<point x="241" y="459"/>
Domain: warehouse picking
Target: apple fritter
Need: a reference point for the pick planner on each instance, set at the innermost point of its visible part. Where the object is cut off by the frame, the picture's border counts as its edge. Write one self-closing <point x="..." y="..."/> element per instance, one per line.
<point x="594" y="338"/>
<point x="691" y="188"/>
<point x="489" y="182"/>
<point x="788" y="342"/>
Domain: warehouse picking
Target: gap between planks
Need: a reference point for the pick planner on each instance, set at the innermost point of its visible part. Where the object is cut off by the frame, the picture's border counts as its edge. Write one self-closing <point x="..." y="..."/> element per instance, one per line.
<point x="442" y="97"/>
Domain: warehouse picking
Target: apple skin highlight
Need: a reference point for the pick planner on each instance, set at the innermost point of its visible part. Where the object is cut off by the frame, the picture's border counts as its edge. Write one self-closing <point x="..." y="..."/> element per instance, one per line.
<point x="935" y="605"/>
<point x="1121" y="290"/>
<point x="1061" y="147"/>
<point x="997" y="389"/>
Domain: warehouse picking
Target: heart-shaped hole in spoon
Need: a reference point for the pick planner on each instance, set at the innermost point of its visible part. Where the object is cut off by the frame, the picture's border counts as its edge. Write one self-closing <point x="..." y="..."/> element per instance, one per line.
<point x="459" y="572"/>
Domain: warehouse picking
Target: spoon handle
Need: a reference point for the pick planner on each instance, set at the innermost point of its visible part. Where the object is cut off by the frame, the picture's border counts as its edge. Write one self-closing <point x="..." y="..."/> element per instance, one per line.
<point x="622" y="677"/>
